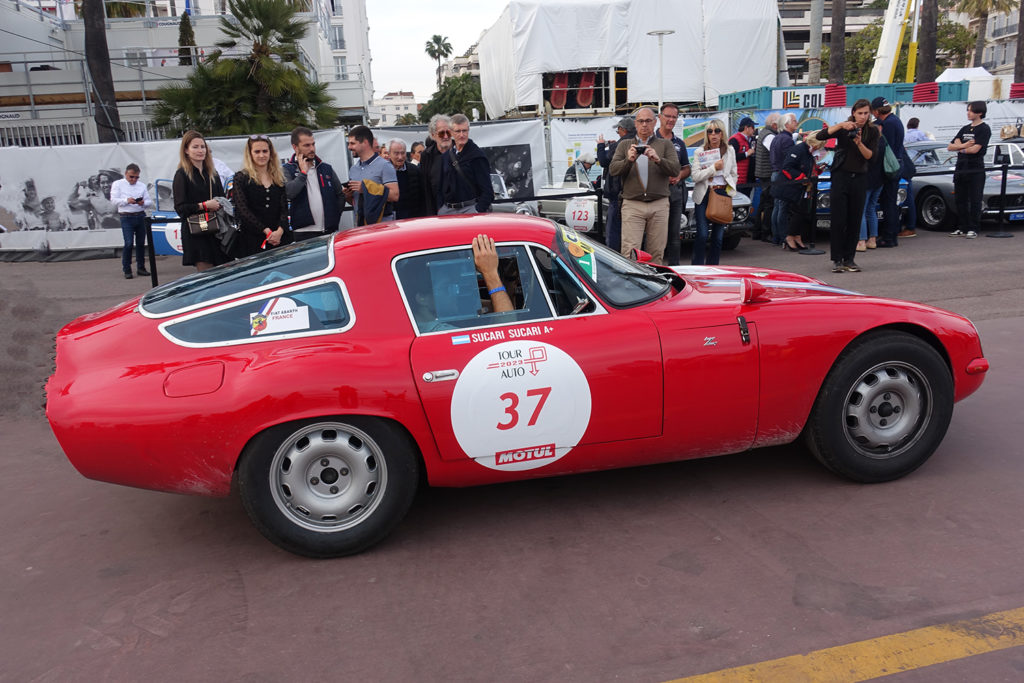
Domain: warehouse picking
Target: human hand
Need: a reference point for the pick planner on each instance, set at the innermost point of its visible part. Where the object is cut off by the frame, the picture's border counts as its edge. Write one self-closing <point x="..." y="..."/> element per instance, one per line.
<point x="600" y="139"/>
<point x="213" y="205"/>
<point x="719" y="165"/>
<point x="485" y="258"/>
<point x="631" y="153"/>
<point x="847" y="125"/>
<point x="652" y="155"/>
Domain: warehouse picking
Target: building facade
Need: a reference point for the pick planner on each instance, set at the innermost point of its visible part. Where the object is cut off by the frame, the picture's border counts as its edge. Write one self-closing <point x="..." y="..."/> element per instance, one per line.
<point x="393" y="106"/>
<point x="45" y="81"/>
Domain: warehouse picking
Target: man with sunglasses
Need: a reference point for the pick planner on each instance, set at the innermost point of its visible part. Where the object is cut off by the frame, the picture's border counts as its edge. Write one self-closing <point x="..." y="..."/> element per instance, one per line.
<point x="465" y="174"/>
<point x="315" y="192"/>
<point x="645" y="164"/>
<point x="440" y="130"/>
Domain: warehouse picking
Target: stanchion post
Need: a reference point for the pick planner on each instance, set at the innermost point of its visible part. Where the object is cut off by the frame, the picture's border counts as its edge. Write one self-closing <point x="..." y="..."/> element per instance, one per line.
<point x="1002" y="206"/>
<point x="600" y="213"/>
<point x="151" y="250"/>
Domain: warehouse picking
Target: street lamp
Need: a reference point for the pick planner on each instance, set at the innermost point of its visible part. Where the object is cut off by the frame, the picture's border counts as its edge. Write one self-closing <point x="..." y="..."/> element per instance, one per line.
<point x="661" y="69"/>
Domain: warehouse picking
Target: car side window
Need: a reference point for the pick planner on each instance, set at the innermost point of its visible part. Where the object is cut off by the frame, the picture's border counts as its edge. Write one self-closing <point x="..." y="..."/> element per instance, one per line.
<point x="566" y="293"/>
<point x="318" y="309"/>
<point x="443" y="290"/>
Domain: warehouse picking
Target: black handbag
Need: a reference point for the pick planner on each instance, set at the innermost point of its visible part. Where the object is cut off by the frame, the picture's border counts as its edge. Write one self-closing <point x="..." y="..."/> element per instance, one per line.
<point x="205" y="222"/>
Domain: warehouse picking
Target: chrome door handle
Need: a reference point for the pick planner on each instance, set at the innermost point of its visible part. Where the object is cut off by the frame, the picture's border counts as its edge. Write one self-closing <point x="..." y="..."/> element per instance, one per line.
<point x="440" y="375"/>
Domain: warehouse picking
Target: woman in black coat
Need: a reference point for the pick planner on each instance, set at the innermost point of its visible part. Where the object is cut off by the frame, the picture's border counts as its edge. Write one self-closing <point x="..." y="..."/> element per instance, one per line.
<point x="196" y="183"/>
<point x="798" y="166"/>
<point x="261" y="206"/>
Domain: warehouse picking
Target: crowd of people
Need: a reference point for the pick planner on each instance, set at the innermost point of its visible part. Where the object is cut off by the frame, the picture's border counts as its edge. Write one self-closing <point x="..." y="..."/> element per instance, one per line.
<point x="644" y="179"/>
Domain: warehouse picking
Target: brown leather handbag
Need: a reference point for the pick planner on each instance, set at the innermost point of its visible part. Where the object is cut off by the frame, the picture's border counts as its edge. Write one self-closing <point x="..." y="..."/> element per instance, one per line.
<point x="719" y="209"/>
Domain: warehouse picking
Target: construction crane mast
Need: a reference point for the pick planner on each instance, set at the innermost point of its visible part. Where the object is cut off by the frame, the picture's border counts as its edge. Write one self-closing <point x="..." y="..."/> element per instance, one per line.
<point x="888" y="54"/>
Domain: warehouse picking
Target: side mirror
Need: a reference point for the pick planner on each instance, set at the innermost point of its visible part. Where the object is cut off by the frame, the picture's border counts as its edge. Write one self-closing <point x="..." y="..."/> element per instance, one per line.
<point x="640" y="256"/>
<point x="753" y="292"/>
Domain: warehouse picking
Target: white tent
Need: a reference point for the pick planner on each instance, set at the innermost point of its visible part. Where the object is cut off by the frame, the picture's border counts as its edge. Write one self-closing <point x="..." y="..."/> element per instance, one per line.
<point x="982" y="84"/>
<point x="718" y="46"/>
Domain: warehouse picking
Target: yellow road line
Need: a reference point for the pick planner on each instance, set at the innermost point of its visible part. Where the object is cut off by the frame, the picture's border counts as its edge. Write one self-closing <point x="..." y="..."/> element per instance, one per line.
<point x="883" y="656"/>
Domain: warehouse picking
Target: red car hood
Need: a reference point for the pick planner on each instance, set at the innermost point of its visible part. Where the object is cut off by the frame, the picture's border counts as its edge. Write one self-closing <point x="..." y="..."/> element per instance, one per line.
<point x="777" y="283"/>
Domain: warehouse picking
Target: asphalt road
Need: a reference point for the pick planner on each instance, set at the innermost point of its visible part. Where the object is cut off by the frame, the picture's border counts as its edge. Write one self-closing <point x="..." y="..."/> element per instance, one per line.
<point x="647" y="574"/>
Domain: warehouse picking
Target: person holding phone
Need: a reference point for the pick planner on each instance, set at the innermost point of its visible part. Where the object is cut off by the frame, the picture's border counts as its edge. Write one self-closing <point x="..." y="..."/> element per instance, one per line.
<point x="855" y="145"/>
<point x="132" y="199"/>
<point x="315" y="192"/>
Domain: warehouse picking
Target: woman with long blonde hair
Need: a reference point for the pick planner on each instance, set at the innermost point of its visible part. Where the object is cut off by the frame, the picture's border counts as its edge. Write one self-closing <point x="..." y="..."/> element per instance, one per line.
<point x="196" y="183"/>
<point x="260" y="202"/>
<point x="711" y="172"/>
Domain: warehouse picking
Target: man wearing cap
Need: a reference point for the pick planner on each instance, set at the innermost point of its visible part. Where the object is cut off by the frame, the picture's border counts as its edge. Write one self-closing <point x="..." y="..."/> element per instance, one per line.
<point x="742" y="145"/>
<point x="677" y="185"/>
<point x="612" y="185"/>
<point x="645" y="165"/>
<point x="892" y="131"/>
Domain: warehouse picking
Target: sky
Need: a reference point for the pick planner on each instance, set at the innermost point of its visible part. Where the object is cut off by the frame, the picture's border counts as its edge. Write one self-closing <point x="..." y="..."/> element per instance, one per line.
<point x="399" y="30"/>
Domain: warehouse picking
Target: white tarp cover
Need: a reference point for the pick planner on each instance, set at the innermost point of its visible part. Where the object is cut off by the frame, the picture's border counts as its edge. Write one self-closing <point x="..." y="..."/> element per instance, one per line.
<point x="716" y="48"/>
<point x="982" y="84"/>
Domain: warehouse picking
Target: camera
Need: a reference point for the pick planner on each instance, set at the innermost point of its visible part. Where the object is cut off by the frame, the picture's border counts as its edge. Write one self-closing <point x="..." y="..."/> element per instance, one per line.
<point x="640" y="149"/>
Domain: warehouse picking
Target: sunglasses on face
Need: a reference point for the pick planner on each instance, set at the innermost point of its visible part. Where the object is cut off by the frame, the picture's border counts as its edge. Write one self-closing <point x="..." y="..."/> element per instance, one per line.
<point x="713" y="131"/>
<point x="444" y="133"/>
<point x="259" y="137"/>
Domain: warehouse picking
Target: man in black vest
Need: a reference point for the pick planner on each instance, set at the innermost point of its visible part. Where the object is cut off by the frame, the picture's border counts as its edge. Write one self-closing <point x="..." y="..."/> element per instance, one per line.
<point x="315" y="193"/>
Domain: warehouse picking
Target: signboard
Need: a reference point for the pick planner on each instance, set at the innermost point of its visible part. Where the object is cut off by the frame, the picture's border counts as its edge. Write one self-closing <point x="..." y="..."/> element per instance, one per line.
<point x="798" y="98"/>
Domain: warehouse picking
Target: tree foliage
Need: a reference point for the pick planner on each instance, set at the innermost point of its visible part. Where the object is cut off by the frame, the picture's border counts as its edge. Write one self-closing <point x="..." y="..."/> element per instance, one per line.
<point x="953" y="40"/>
<point x="186" y="41"/>
<point x="458" y="95"/>
<point x="409" y="119"/>
<point x="266" y="90"/>
<point x="438" y="48"/>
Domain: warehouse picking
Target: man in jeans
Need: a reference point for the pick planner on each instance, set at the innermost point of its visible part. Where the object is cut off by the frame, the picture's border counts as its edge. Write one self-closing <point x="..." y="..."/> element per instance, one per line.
<point x="132" y="199"/>
<point x="970" y="144"/>
<point x="645" y="165"/>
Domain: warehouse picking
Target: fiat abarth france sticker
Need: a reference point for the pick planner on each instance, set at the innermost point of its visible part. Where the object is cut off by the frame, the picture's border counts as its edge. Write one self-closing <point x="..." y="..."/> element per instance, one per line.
<point x="519" y="405"/>
<point x="279" y="314"/>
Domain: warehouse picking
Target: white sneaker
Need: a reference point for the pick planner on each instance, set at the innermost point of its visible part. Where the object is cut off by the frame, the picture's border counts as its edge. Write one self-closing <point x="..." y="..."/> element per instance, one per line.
<point x="957" y="233"/>
<point x="971" y="234"/>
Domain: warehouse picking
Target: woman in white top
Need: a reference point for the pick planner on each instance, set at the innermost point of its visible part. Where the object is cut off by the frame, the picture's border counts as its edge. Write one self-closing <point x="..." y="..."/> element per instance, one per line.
<point x="714" y="169"/>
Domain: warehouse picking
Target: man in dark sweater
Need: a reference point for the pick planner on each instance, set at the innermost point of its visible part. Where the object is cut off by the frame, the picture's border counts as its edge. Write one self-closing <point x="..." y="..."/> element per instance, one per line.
<point x="411" y="200"/>
<point x="780" y="150"/>
<point x="465" y="174"/>
<point x="892" y="131"/>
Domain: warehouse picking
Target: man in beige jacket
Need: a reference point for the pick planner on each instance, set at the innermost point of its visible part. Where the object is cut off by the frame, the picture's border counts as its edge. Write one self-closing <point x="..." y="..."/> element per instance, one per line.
<point x="645" y="166"/>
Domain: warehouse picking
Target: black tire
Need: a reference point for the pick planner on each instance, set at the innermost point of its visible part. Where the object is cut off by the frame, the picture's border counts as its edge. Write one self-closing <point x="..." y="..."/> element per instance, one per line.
<point x="328" y="487"/>
<point x="883" y="408"/>
<point x="731" y="241"/>
<point x="933" y="212"/>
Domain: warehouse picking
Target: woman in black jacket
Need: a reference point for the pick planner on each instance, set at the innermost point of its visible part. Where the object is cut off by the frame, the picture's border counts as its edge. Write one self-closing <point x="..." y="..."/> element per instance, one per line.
<point x="196" y="183"/>
<point x="261" y="206"/>
<point x="799" y="166"/>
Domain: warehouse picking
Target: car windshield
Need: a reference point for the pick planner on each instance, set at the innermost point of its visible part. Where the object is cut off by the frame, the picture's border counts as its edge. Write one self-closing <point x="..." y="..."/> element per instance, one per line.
<point x="291" y="262"/>
<point x="938" y="155"/>
<point x="621" y="282"/>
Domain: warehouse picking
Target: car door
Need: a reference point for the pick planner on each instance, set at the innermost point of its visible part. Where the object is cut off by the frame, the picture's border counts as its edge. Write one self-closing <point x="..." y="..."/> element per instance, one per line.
<point x="520" y="390"/>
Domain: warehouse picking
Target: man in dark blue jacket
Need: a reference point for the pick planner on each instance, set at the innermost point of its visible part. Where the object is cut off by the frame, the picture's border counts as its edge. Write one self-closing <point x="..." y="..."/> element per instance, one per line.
<point x="892" y="131"/>
<point x="465" y="174"/>
<point x="612" y="185"/>
<point x="315" y="193"/>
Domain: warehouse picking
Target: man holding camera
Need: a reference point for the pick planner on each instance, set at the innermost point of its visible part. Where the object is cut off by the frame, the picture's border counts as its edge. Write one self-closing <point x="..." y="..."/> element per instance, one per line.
<point x="645" y="165"/>
<point x="315" y="193"/>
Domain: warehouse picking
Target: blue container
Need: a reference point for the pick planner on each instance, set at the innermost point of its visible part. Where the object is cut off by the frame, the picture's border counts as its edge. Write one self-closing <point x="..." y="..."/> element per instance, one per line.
<point x="870" y="91"/>
<point x="953" y="92"/>
<point x="904" y="92"/>
<point x="757" y="98"/>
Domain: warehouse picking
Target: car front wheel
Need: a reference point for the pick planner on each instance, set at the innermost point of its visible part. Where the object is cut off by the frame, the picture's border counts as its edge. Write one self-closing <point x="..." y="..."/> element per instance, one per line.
<point x="883" y="408"/>
<point x="932" y="211"/>
<point x="327" y="488"/>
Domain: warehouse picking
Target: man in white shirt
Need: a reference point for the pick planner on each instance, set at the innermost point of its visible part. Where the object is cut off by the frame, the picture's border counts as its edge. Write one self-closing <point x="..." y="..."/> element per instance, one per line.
<point x="132" y="199"/>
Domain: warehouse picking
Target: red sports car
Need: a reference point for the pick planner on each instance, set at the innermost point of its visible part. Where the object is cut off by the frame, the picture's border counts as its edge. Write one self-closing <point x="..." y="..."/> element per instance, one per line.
<point x="332" y="376"/>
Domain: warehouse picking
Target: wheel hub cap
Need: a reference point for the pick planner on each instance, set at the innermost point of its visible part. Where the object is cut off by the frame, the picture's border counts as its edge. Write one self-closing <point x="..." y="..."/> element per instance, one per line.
<point x="886" y="409"/>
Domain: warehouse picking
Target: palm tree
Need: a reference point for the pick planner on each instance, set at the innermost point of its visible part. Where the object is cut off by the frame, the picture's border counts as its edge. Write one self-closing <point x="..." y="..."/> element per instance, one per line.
<point x="979" y="10"/>
<point x="438" y="48"/>
<point x="837" y="45"/>
<point x="928" y="46"/>
<point x="97" y="57"/>
<point x="264" y="90"/>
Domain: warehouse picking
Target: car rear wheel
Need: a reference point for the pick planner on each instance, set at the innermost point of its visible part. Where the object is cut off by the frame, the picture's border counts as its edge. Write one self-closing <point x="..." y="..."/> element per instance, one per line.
<point x="932" y="211"/>
<point x="327" y="488"/>
<point x="883" y="408"/>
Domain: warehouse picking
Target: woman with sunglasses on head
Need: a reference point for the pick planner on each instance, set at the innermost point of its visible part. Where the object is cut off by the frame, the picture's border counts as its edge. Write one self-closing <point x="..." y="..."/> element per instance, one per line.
<point x="196" y="184"/>
<point x="260" y="202"/>
<point x="711" y="173"/>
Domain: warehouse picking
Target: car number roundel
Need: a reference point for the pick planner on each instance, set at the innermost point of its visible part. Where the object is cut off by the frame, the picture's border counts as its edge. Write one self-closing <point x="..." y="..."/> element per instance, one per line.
<point x="519" y="405"/>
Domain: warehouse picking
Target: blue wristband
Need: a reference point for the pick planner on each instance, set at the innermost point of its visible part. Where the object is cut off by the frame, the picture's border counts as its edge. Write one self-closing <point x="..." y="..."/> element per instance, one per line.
<point x="496" y="290"/>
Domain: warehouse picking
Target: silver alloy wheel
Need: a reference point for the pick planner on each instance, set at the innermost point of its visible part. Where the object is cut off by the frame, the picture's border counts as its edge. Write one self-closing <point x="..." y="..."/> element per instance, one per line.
<point x="328" y="476"/>
<point x="888" y="409"/>
<point x="933" y="210"/>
